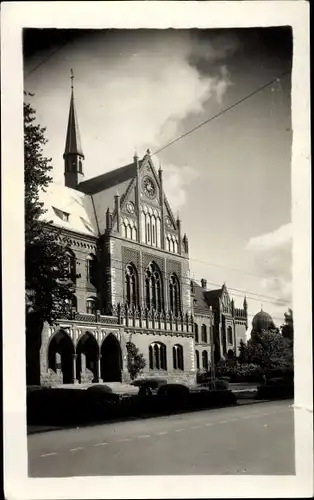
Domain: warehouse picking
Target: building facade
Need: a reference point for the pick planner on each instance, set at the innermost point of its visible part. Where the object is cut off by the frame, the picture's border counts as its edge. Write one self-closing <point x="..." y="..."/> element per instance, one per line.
<point x="130" y="266"/>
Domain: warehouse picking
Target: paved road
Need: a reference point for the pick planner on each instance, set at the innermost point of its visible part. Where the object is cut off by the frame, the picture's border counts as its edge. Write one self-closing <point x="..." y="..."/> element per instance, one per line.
<point x="250" y="439"/>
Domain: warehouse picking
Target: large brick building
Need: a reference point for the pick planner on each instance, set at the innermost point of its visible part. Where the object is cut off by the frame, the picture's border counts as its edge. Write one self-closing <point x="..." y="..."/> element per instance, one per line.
<point x="130" y="264"/>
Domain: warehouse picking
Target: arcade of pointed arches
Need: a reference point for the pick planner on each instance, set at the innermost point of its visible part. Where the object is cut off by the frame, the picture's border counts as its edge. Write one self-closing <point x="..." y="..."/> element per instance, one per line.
<point x="103" y="362"/>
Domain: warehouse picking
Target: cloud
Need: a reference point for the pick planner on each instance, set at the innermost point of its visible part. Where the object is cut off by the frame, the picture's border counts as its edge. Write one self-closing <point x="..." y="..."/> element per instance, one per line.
<point x="133" y="91"/>
<point x="273" y="258"/>
<point x="176" y="179"/>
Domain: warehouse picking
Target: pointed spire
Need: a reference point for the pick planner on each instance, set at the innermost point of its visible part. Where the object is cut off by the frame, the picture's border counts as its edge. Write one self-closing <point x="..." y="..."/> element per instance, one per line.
<point x="245" y="303"/>
<point x="73" y="139"/>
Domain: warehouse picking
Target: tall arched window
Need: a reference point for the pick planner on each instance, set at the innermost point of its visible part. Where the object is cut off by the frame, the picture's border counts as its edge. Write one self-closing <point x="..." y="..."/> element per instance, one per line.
<point x="153" y="288"/>
<point x="196" y="332"/>
<point x="131" y="285"/>
<point x="174" y="295"/>
<point x="129" y="229"/>
<point x="229" y="334"/>
<point x="157" y="356"/>
<point x="71" y="264"/>
<point x="91" y="305"/>
<point x="204" y="334"/>
<point x="177" y="353"/>
<point x="172" y="243"/>
<point x="197" y="355"/>
<point x="205" y="360"/>
<point x="150" y="224"/>
<point x="90" y="268"/>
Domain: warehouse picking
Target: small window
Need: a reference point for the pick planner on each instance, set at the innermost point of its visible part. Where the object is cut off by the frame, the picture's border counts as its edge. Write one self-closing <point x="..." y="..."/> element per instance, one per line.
<point x="62" y="215"/>
<point x="91" y="306"/>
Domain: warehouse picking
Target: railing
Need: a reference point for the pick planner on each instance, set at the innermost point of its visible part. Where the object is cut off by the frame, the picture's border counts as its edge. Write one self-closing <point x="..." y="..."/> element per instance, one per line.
<point x="138" y="318"/>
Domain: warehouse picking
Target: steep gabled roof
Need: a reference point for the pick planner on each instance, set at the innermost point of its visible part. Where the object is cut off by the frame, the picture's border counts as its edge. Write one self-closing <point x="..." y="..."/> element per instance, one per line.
<point x="108" y="180"/>
<point x="200" y="304"/>
<point x="211" y="296"/>
<point x="69" y="209"/>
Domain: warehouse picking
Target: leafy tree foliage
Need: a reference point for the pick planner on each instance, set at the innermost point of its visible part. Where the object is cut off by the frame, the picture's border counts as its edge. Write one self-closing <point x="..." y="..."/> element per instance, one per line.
<point x="287" y="328"/>
<point x="268" y="350"/>
<point x="48" y="270"/>
<point x="136" y="361"/>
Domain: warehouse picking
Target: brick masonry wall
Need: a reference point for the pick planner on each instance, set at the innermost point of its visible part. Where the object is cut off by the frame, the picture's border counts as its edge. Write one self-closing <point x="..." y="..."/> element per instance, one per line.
<point x="200" y="346"/>
<point x="123" y="251"/>
<point x="82" y="247"/>
<point x="143" y="341"/>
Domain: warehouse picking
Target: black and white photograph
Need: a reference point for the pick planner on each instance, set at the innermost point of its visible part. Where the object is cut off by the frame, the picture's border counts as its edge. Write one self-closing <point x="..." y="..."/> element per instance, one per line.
<point x="160" y="330"/>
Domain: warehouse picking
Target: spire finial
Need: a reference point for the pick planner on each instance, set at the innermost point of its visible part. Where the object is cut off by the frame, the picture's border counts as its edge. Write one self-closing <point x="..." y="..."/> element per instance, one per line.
<point x="261" y="306"/>
<point x="72" y="78"/>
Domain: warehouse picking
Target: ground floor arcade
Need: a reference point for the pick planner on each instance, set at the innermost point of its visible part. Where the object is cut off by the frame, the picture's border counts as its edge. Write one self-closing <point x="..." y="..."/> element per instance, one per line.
<point x="81" y="353"/>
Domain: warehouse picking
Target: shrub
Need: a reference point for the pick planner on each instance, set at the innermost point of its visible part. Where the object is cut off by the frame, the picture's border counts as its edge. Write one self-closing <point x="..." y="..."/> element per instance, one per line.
<point x="99" y="388"/>
<point x="136" y="361"/>
<point x="153" y="383"/>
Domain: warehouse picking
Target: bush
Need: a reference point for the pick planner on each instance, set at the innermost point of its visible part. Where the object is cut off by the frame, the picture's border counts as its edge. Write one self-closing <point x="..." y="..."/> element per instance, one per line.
<point x="276" y="391"/>
<point x="100" y="388"/>
<point x="246" y="372"/>
<point x="153" y="383"/>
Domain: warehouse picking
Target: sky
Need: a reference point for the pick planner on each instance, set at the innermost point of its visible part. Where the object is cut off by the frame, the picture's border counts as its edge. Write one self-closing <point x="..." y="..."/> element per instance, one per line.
<point x="230" y="180"/>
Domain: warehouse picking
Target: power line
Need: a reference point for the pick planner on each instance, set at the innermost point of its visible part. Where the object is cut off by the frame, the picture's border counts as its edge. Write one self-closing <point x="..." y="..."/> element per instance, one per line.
<point x="221" y="112"/>
<point x="207" y="263"/>
<point x="251" y="295"/>
<point x="46" y="59"/>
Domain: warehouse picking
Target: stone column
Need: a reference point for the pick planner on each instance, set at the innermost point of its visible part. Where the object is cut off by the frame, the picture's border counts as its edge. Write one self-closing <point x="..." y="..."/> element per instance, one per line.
<point x="74" y="369"/>
<point x="99" y="368"/>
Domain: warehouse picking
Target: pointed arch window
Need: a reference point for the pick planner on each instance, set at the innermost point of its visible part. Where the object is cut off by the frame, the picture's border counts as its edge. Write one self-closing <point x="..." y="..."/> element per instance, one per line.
<point x="196" y="332"/>
<point x="157" y="356"/>
<point x="205" y="360"/>
<point x="153" y="288"/>
<point x="150" y="224"/>
<point x="174" y="295"/>
<point x="70" y="265"/>
<point x="197" y="355"/>
<point x="204" y="334"/>
<point x="131" y="285"/>
<point x="229" y="335"/>
<point x="129" y="229"/>
<point x="172" y="243"/>
<point x="177" y="353"/>
<point x="90" y="268"/>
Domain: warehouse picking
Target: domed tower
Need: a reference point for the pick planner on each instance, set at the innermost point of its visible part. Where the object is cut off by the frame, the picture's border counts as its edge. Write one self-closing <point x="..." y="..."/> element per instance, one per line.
<point x="262" y="321"/>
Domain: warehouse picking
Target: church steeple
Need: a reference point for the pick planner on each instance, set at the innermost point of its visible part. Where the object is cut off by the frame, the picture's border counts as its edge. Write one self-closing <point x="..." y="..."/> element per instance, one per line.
<point x="73" y="154"/>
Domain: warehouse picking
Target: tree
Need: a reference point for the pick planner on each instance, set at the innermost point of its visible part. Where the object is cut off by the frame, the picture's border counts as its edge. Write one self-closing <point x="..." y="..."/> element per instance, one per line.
<point x="243" y="352"/>
<point x="287" y="328"/>
<point x="48" y="271"/>
<point x="136" y="361"/>
<point x="270" y="350"/>
<point x="48" y="276"/>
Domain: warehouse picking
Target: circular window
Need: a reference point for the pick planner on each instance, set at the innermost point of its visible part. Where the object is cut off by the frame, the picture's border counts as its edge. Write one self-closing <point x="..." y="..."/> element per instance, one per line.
<point x="149" y="187"/>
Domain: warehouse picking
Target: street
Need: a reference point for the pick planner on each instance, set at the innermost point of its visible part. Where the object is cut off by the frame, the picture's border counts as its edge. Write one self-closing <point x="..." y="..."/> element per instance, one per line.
<point x="248" y="439"/>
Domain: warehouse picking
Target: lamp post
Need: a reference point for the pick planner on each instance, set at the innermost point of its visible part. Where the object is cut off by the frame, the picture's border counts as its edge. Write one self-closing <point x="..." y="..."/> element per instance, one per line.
<point x="212" y="357"/>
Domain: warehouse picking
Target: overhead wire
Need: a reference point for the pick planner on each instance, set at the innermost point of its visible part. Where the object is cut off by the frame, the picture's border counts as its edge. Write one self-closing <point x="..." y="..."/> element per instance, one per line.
<point x="222" y="112"/>
<point x="212" y="118"/>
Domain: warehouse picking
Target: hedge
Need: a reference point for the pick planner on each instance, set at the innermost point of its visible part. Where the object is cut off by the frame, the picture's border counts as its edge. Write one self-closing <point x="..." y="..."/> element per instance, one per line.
<point x="275" y="391"/>
<point x="73" y="406"/>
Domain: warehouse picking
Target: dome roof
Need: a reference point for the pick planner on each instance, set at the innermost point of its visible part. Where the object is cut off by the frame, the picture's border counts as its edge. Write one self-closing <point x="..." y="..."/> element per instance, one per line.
<point x="262" y="321"/>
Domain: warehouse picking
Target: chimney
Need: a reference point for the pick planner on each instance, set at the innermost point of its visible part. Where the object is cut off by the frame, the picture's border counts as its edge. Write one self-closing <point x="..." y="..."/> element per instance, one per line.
<point x="204" y="283"/>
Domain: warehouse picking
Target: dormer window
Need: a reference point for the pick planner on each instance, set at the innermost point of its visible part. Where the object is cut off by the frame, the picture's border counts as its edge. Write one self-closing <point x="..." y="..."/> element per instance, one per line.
<point x="62" y="215"/>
